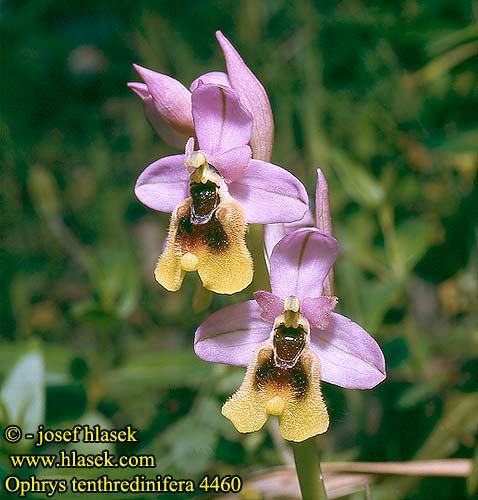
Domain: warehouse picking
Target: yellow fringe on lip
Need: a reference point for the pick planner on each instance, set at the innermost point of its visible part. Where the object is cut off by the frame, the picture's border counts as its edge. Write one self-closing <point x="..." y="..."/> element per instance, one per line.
<point x="226" y="269"/>
<point x="299" y="417"/>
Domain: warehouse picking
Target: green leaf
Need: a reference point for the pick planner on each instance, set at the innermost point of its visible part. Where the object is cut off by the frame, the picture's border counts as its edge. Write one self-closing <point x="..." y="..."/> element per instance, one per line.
<point x="458" y="424"/>
<point x="188" y="446"/>
<point x="44" y="191"/>
<point x="349" y="279"/>
<point x="450" y="38"/>
<point x="358" y="183"/>
<point x="463" y="141"/>
<point x="116" y="281"/>
<point x="472" y="480"/>
<point x="23" y="393"/>
<point x="356" y="236"/>
<point x="376" y="299"/>
<point x="413" y="239"/>
<point x="56" y="360"/>
<point x="443" y="64"/>
<point x="420" y="392"/>
<point x="229" y="380"/>
<point x="159" y="369"/>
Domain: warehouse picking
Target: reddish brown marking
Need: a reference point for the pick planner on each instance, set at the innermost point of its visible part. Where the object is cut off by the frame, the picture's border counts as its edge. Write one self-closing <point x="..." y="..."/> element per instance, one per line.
<point x="191" y="236"/>
<point x="295" y="378"/>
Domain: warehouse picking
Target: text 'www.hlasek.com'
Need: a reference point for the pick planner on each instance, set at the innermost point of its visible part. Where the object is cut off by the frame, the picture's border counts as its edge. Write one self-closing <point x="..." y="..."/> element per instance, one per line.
<point x="61" y="470"/>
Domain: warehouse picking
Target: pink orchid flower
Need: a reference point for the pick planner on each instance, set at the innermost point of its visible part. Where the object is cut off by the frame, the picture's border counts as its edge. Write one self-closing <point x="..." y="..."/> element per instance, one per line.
<point x="214" y="192"/>
<point x="291" y="339"/>
<point x="168" y="107"/>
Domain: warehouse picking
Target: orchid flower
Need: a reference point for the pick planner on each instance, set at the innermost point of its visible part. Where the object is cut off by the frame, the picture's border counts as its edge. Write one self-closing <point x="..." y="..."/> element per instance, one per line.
<point x="291" y="339"/>
<point x="214" y="192"/>
<point x="273" y="233"/>
<point x="167" y="102"/>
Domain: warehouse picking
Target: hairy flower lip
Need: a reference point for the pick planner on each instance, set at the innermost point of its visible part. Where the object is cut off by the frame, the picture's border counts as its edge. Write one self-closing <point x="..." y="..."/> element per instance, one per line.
<point x="292" y="394"/>
<point x="208" y="248"/>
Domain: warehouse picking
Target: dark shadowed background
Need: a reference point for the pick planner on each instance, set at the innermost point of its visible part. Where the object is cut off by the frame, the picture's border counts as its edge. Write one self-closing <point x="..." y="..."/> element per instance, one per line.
<point x="381" y="95"/>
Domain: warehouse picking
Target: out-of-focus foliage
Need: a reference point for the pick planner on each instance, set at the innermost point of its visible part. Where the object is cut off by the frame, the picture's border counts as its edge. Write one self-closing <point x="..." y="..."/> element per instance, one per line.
<point x="381" y="95"/>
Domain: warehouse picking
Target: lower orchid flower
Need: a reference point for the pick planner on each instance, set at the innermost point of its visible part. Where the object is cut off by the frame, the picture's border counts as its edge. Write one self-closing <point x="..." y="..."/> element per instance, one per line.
<point x="290" y="340"/>
<point x="213" y="193"/>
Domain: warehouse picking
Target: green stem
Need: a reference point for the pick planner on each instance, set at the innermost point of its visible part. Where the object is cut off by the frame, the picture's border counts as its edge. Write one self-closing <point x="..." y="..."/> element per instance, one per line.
<point x="255" y="243"/>
<point x="202" y="298"/>
<point x="308" y="469"/>
<point x="392" y="248"/>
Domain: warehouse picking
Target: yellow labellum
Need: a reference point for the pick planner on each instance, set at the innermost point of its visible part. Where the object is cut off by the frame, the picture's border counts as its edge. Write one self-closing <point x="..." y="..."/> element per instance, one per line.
<point x="293" y="394"/>
<point x="276" y="405"/>
<point x="216" y="249"/>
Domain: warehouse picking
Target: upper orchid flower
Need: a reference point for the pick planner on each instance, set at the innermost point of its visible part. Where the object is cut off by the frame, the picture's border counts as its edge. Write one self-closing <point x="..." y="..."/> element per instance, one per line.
<point x="273" y="233"/>
<point x="168" y="106"/>
<point x="291" y="339"/>
<point x="214" y="192"/>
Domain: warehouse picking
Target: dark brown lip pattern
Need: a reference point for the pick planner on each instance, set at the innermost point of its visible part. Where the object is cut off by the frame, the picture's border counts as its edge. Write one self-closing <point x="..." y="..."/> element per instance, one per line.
<point x="211" y="234"/>
<point x="295" y="378"/>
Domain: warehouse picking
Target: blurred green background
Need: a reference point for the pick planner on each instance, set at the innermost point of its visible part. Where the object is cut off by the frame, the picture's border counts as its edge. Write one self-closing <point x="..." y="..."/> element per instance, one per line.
<point x="381" y="95"/>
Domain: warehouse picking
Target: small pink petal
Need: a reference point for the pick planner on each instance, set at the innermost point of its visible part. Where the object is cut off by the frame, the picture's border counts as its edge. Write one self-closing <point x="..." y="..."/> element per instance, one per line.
<point x="349" y="356"/>
<point x="163" y="184"/>
<point x="172" y="100"/>
<point x="232" y="163"/>
<point x="273" y="233"/>
<point x="269" y="194"/>
<point x="214" y="77"/>
<point x="254" y="97"/>
<point x="166" y="132"/>
<point x="323" y="220"/>
<point x="220" y="120"/>
<point x="317" y="310"/>
<point x="231" y="335"/>
<point x="271" y="305"/>
<point x="189" y="146"/>
<point x="140" y="89"/>
<point x="300" y="262"/>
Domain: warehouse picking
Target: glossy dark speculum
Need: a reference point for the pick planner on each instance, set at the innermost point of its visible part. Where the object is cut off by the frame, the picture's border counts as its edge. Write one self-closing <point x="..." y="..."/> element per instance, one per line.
<point x="288" y="344"/>
<point x="205" y="199"/>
